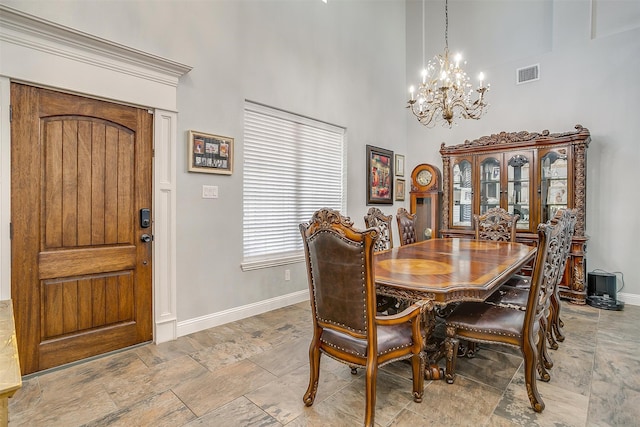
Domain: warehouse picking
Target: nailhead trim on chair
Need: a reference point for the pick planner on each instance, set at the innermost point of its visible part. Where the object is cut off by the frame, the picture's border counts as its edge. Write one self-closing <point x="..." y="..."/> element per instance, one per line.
<point x="492" y="331"/>
<point x="364" y="366"/>
<point x="342" y="349"/>
<point x="360" y="354"/>
<point x="505" y="305"/>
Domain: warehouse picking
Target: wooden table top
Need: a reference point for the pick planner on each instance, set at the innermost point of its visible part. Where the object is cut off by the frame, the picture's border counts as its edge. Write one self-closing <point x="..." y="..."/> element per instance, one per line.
<point x="449" y="270"/>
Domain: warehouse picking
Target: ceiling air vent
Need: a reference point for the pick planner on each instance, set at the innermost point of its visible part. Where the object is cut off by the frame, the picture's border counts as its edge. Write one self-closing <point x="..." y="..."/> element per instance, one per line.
<point x="528" y="74"/>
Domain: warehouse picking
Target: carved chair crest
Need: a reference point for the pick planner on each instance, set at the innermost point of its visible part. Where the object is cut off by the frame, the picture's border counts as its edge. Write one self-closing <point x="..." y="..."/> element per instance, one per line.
<point x="375" y="218"/>
<point x="496" y="224"/>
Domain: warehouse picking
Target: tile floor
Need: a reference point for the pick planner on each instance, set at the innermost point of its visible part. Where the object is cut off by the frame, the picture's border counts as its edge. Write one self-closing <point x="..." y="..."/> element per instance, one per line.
<point x="254" y="372"/>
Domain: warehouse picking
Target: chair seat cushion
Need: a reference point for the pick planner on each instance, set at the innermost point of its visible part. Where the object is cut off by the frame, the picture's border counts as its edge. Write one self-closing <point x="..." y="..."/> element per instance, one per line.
<point x="480" y="317"/>
<point x="389" y="338"/>
<point x="510" y="297"/>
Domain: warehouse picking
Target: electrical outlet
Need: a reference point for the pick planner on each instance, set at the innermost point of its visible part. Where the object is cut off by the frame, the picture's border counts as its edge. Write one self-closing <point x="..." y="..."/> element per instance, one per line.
<point x="287" y="275"/>
<point x="209" y="191"/>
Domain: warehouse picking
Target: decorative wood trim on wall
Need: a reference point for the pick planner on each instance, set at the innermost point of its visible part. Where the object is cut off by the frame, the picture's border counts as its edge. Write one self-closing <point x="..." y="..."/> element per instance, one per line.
<point x="47" y="54"/>
<point x="64" y="52"/>
<point x="5" y="190"/>
<point x="164" y="226"/>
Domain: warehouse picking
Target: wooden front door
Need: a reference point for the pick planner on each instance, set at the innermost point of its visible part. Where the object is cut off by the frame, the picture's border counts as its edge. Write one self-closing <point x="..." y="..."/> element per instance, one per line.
<point x="81" y="275"/>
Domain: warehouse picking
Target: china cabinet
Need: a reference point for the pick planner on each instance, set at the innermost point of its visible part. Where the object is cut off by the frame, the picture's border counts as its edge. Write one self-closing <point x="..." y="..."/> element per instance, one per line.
<point x="426" y="200"/>
<point x="531" y="174"/>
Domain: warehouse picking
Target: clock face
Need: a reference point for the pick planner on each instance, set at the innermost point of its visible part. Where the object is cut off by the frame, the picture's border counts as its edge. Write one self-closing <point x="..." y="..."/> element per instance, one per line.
<point x="424" y="177"/>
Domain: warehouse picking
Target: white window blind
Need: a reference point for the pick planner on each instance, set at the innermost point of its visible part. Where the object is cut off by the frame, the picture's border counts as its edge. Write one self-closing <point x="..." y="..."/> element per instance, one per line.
<point x="293" y="166"/>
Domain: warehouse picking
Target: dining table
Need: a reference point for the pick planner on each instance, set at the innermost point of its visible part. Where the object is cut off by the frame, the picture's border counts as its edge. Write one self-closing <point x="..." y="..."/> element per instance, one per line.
<point x="444" y="272"/>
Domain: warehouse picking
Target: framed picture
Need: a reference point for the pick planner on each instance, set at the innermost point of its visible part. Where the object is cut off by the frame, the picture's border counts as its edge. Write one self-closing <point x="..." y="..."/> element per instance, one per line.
<point x="557" y="194"/>
<point x="379" y="176"/>
<point x="399" y="165"/>
<point x="399" y="189"/>
<point x="495" y="173"/>
<point x="210" y="153"/>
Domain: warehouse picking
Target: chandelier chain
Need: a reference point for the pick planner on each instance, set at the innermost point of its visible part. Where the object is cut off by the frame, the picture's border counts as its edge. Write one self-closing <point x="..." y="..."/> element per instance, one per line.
<point x="446" y="24"/>
<point x="424" y="57"/>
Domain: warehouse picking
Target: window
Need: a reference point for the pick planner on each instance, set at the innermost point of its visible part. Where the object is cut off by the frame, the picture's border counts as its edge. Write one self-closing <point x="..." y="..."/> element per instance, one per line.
<point x="293" y="166"/>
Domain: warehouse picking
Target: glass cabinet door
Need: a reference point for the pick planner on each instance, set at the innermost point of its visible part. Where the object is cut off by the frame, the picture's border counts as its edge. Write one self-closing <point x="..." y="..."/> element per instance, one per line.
<point x="553" y="183"/>
<point x="489" y="184"/>
<point x="462" y="194"/>
<point x="518" y="188"/>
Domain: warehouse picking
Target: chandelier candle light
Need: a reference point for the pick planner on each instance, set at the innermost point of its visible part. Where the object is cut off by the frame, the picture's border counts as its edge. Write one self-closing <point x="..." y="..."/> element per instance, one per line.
<point x="445" y="91"/>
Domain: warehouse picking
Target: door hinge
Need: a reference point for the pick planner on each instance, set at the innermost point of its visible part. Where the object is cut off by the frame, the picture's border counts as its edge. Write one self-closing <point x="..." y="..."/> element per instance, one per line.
<point x="10" y="113"/>
<point x="10" y="231"/>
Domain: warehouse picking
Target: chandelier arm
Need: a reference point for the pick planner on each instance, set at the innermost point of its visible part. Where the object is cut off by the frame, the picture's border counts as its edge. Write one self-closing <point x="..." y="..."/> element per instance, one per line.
<point x="428" y="120"/>
<point x="425" y="116"/>
<point x="468" y="112"/>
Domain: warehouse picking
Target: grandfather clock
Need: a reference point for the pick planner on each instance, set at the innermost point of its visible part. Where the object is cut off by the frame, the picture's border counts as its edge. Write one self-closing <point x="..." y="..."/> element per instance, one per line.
<point x="426" y="199"/>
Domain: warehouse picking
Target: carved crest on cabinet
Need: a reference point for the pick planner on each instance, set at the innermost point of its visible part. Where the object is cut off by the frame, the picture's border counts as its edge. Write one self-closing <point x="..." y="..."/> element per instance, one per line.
<point x="505" y="138"/>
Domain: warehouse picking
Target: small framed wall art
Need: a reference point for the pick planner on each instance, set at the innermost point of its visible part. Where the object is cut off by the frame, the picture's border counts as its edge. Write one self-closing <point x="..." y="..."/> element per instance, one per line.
<point x="210" y="153"/>
<point x="379" y="176"/>
<point x="399" y="189"/>
<point x="399" y="165"/>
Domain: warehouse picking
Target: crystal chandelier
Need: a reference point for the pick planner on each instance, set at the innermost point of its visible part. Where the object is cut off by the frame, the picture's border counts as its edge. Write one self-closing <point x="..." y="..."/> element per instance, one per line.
<point x="445" y="91"/>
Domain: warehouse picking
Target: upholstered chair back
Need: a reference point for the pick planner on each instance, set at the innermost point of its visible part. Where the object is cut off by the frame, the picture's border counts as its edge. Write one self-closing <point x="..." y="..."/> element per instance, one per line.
<point x="338" y="257"/>
<point x="406" y="227"/>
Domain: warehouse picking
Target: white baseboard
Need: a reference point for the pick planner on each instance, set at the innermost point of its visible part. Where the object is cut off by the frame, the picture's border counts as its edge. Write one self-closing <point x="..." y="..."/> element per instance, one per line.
<point x="631" y="299"/>
<point x="190" y="326"/>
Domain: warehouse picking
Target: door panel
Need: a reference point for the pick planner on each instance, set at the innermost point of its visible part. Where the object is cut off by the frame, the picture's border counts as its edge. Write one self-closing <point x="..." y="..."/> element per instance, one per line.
<point x="70" y="306"/>
<point x="74" y="262"/>
<point x="81" y="277"/>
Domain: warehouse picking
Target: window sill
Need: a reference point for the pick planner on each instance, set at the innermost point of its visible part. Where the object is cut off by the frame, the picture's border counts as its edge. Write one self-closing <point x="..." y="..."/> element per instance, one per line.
<point x="271" y="262"/>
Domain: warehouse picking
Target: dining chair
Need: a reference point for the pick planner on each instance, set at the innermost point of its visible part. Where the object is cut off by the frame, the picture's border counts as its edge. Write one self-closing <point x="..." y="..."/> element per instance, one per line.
<point x="569" y="219"/>
<point x="495" y="224"/>
<point x="375" y="218"/>
<point x="406" y="227"/>
<point x="487" y="323"/>
<point x="514" y="293"/>
<point x="341" y="281"/>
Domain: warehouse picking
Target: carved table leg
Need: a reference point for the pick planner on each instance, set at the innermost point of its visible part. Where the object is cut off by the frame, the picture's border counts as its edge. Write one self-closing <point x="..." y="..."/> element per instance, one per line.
<point x="433" y="348"/>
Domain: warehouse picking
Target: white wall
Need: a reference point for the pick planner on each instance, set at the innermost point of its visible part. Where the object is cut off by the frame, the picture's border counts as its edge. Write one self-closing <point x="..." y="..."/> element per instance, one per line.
<point x="341" y="62"/>
<point x="589" y="56"/>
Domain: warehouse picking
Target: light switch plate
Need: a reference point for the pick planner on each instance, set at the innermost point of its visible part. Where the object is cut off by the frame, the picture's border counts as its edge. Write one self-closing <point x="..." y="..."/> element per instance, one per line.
<point x="209" y="191"/>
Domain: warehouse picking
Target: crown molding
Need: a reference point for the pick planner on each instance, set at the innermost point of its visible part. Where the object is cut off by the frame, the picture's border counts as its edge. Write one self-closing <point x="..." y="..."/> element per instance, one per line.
<point x="31" y="32"/>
